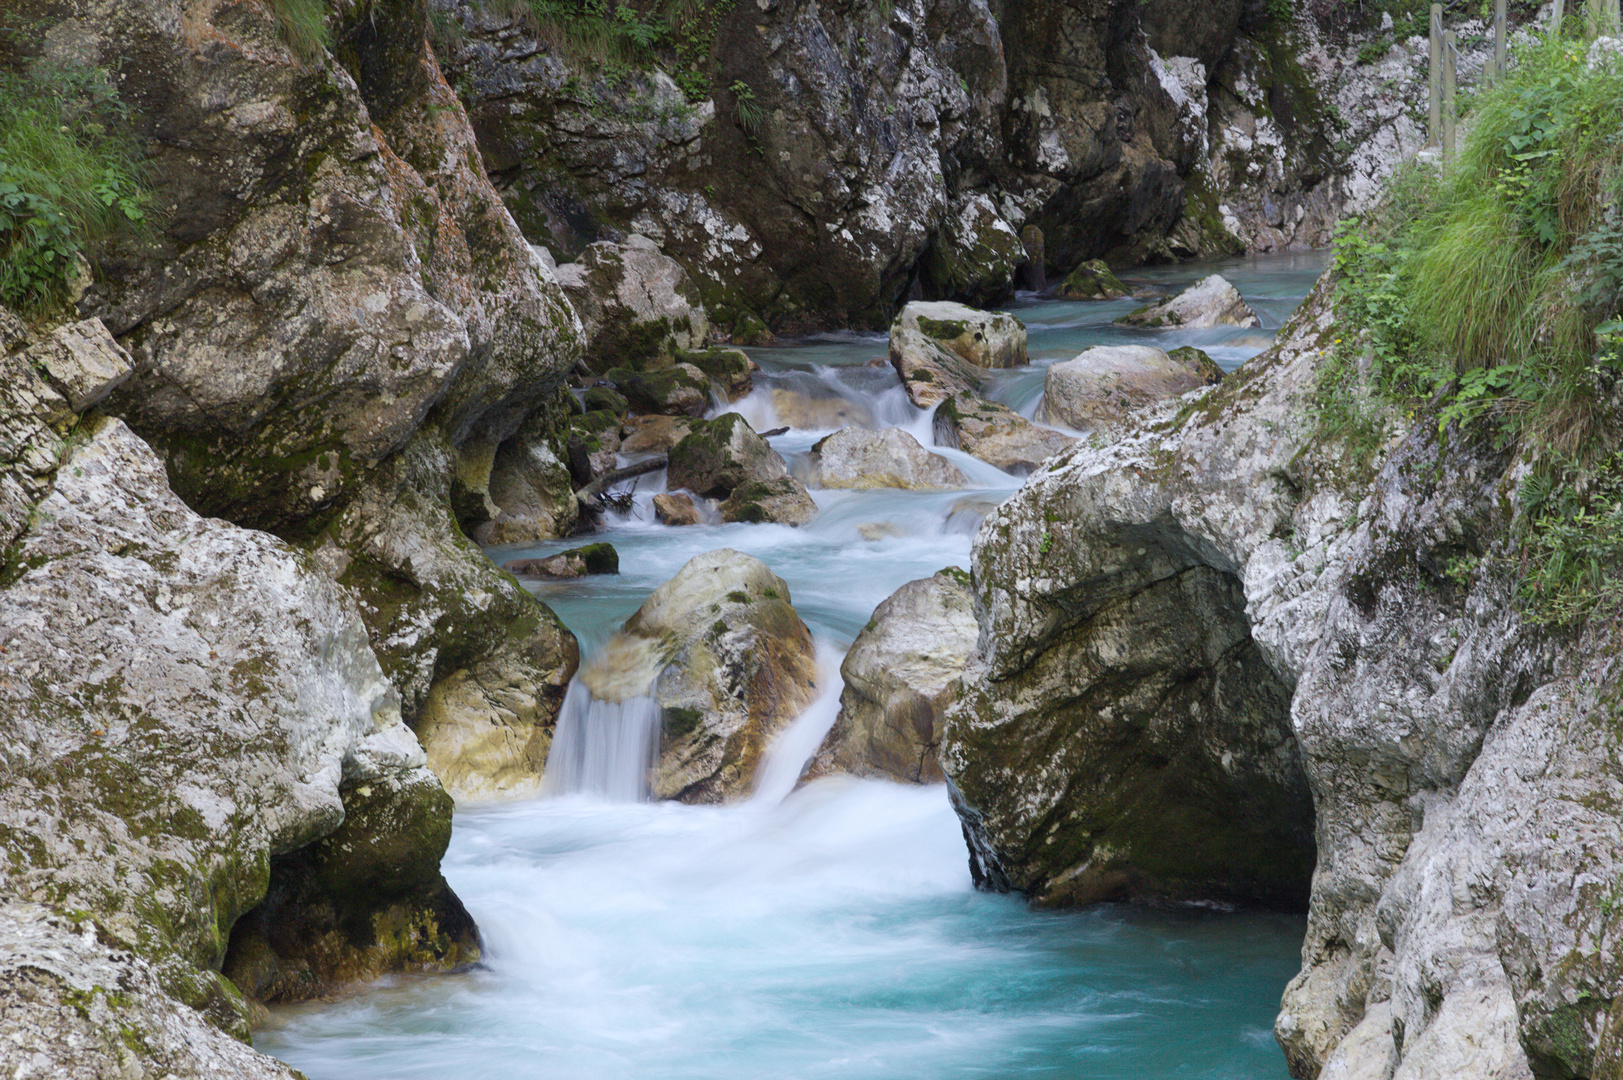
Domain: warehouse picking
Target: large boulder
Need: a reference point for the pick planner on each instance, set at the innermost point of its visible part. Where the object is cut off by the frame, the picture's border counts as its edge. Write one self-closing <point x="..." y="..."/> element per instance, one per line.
<point x="1104" y="383"/>
<point x="718" y="455"/>
<point x="729" y="369"/>
<point x="901" y="675"/>
<point x="184" y="703"/>
<point x="930" y="374"/>
<point x="988" y="339"/>
<point x="736" y="665"/>
<point x="1211" y="301"/>
<point x="636" y="305"/>
<point x="532" y="492"/>
<point x="889" y="458"/>
<point x="995" y="433"/>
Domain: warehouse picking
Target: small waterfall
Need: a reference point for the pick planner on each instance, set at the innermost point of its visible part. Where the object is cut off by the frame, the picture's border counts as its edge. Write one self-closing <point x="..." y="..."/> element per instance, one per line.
<point x="609" y="726"/>
<point x="786" y="758"/>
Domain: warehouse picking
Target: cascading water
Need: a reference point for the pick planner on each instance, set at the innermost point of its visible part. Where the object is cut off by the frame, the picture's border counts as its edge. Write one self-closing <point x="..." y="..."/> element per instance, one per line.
<point x="830" y="931"/>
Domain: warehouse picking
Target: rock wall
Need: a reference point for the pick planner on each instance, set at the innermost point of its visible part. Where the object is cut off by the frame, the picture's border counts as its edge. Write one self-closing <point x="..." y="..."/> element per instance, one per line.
<point x="821" y="163"/>
<point x="1458" y="759"/>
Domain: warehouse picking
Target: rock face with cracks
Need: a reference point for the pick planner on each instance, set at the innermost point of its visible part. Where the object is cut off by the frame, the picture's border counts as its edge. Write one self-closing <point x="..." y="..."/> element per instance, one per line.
<point x="732" y="665"/>
<point x="1459" y="758"/>
<point x="185" y="702"/>
<point x="900" y="675"/>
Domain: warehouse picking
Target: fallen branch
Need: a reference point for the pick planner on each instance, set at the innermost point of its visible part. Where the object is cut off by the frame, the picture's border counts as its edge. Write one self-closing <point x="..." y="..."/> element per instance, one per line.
<point x="590" y="497"/>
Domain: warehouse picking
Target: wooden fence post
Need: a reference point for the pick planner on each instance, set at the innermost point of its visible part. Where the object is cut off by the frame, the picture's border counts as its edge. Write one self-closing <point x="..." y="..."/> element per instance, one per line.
<point x="1449" y="53"/>
<point x="1434" y="131"/>
<point x="1498" y="40"/>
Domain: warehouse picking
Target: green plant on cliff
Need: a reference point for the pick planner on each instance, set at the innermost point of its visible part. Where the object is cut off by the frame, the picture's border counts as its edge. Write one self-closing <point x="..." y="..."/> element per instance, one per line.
<point x="70" y="178"/>
<point x="303" y="25"/>
<point x="617" y="37"/>
<point x="1489" y="292"/>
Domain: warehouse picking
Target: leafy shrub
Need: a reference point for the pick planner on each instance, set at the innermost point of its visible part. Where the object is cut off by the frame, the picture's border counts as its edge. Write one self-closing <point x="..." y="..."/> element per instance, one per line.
<point x="70" y="178"/>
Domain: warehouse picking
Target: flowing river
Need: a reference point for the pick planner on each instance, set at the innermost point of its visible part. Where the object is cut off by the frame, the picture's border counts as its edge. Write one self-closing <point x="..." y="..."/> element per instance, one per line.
<point x="829" y="931"/>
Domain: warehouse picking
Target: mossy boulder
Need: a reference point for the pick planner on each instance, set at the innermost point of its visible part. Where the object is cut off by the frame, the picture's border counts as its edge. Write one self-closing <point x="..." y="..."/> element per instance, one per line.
<point x="995" y="433"/>
<point x="783" y="501"/>
<point x="975" y="253"/>
<point x="728" y="368"/>
<point x="930" y="373"/>
<point x="901" y="674"/>
<point x="574" y="563"/>
<point x="988" y="339"/>
<point x="1092" y="280"/>
<point x="606" y="399"/>
<point x="718" y="455"/>
<point x="682" y="390"/>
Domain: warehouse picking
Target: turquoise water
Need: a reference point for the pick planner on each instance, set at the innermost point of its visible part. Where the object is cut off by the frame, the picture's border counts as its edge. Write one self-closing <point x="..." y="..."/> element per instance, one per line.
<point x="833" y="932"/>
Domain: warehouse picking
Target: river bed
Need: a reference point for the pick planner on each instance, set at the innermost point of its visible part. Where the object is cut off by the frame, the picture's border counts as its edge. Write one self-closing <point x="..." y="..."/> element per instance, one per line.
<point x="830" y="931"/>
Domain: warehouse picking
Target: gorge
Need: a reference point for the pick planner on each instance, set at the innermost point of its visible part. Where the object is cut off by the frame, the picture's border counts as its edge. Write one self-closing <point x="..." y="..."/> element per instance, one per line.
<point x="562" y="539"/>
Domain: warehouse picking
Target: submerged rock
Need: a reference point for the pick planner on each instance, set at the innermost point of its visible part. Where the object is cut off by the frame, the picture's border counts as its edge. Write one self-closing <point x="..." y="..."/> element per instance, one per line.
<point x="1106" y="382"/>
<point x="1211" y="301"/>
<point x="988" y="339"/>
<point x="718" y="455"/>
<point x="1092" y="281"/>
<point x="784" y="501"/>
<point x="676" y="509"/>
<point x="900" y="676"/>
<point x="808" y="413"/>
<point x="574" y="563"/>
<point x="890" y="458"/>
<point x="636" y="304"/>
<point x="996" y="434"/>
<point x="736" y="665"/>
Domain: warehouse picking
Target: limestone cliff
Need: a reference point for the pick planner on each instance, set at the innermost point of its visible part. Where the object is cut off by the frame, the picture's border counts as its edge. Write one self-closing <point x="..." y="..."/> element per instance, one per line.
<point x="1186" y="632"/>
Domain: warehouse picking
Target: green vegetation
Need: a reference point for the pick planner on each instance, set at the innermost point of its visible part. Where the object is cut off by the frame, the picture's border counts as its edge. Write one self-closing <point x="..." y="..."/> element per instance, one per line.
<point x="617" y="37"/>
<point x="70" y="178"/>
<point x="1489" y="294"/>
<point x="303" y="24"/>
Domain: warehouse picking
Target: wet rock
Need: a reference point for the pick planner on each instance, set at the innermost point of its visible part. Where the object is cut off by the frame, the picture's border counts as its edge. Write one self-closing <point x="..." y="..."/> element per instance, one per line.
<point x="646" y="434"/>
<point x="728" y="368"/>
<point x="718" y="455"/>
<point x="930" y="373"/>
<point x="682" y="390"/>
<point x="1106" y="382"/>
<point x="988" y="339"/>
<point x="737" y="666"/>
<point x="82" y="362"/>
<point x="965" y="515"/>
<point x="1211" y="301"/>
<point x="636" y="305"/>
<point x="995" y="433"/>
<point x="1092" y="281"/>
<point x="574" y="563"/>
<point x="900" y="675"/>
<point x="890" y="458"/>
<point x="594" y="438"/>
<point x="807" y="413"/>
<point x="182" y="700"/>
<point x="676" y="509"/>
<point x="875" y="531"/>
<point x="459" y="639"/>
<point x="365" y="900"/>
<point x="784" y="501"/>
